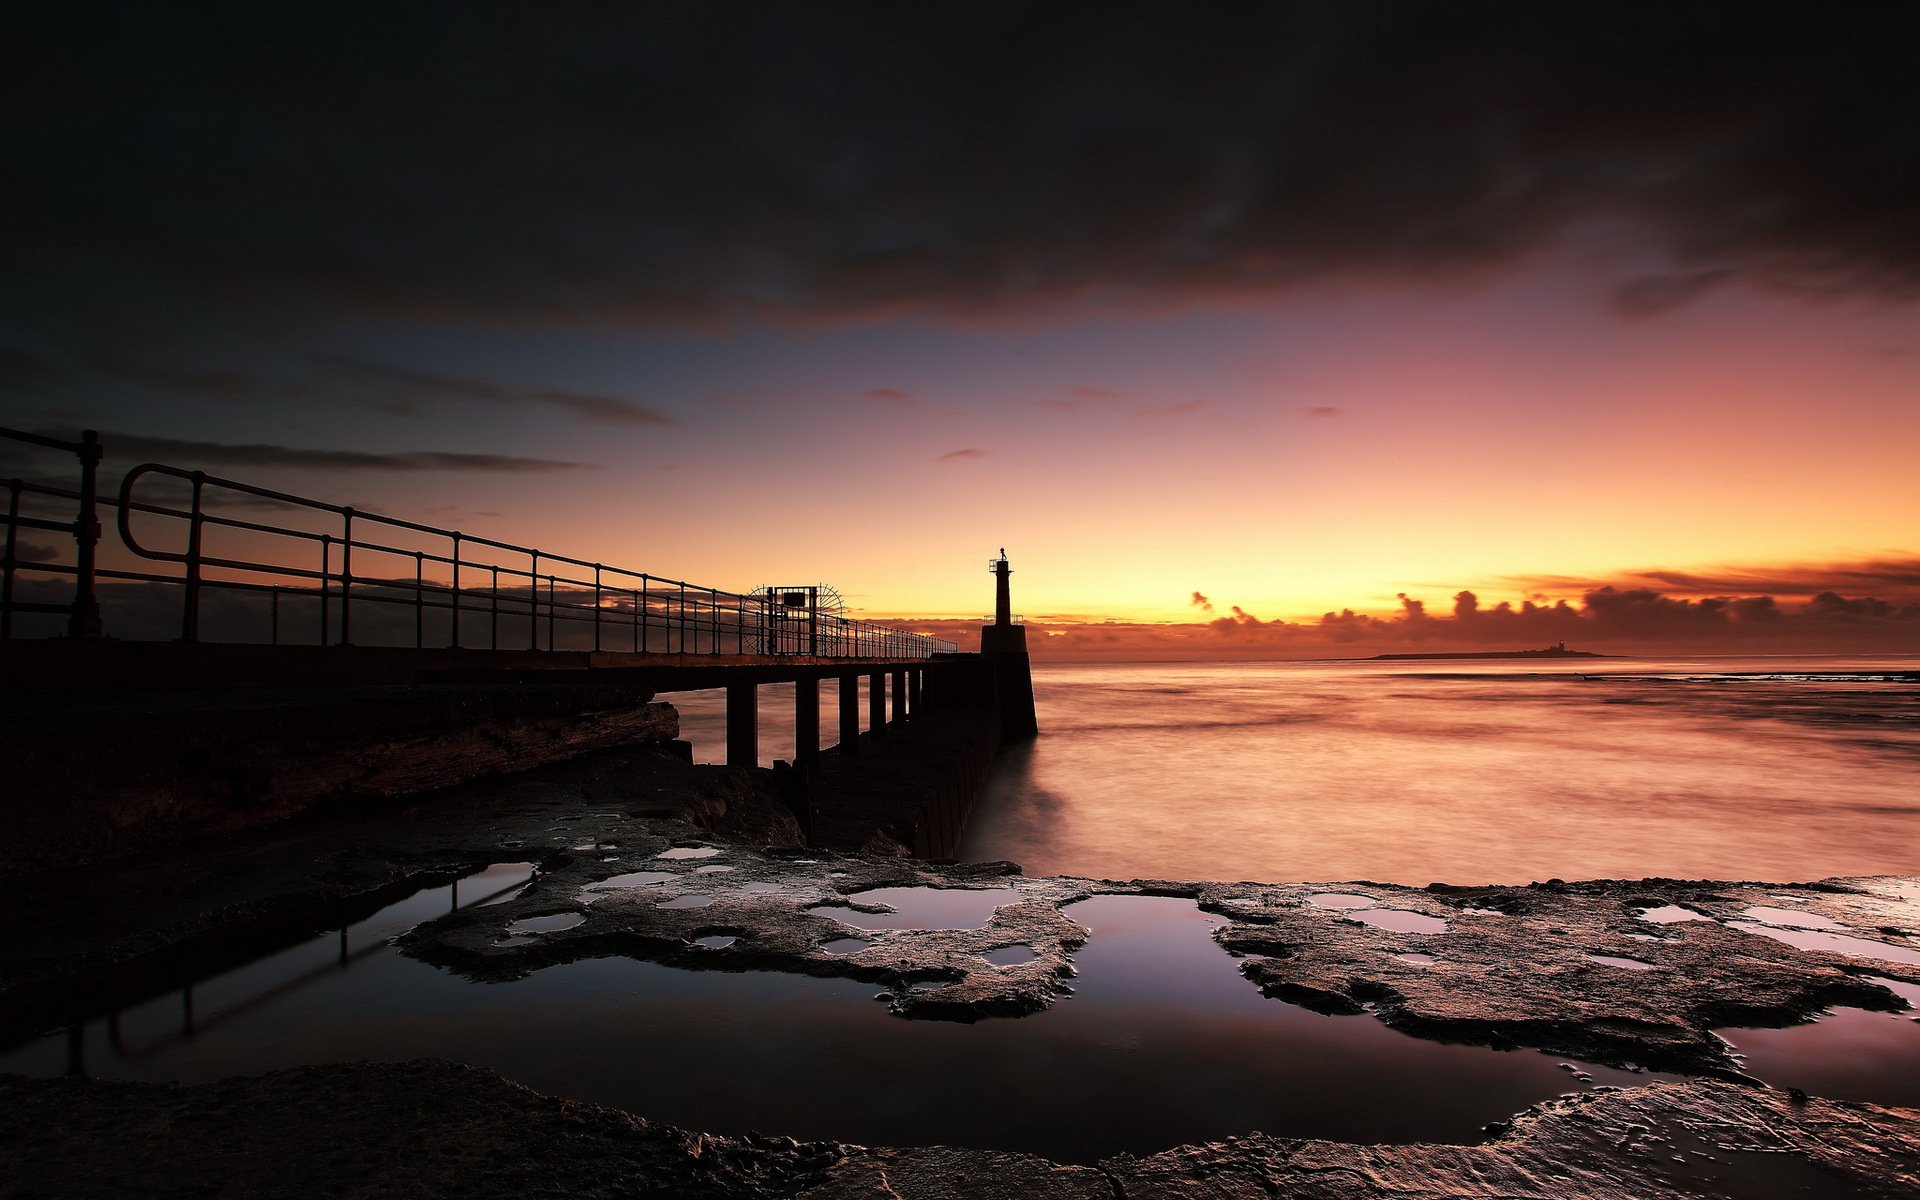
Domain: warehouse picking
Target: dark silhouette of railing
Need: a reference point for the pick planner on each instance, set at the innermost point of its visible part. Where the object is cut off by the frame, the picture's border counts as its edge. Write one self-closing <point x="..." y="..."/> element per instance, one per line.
<point x="83" y="611"/>
<point x="332" y="574"/>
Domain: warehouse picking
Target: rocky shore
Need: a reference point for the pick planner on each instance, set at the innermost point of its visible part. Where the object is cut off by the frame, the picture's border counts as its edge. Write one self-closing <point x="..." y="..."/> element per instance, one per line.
<point x="1524" y="966"/>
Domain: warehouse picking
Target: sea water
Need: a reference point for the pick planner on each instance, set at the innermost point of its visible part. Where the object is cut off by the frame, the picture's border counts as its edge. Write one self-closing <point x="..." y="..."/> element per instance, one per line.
<point x="1464" y="771"/>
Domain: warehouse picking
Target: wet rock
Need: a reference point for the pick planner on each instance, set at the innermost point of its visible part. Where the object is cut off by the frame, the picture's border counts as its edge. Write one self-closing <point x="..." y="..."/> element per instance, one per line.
<point x="1517" y="967"/>
<point x="784" y="913"/>
<point x="435" y="1129"/>
<point x="1665" y="1140"/>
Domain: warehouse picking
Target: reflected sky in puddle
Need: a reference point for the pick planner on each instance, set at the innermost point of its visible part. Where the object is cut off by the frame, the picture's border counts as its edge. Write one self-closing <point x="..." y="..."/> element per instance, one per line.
<point x="1398" y="920"/>
<point x="1671" y="914"/>
<point x="921" y="907"/>
<point x="633" y="879"/>
<point x="1848" y="1054"/>
<point x="680" y="852"/>
<point x="1010" y="956"/>
<point x="1160" y="1011"/>
<point x="1838" y="943"/>
<point x="1625" y="964"/>
<point x="691" y="900"/>
<point x="548" y="924"/>
<point x="1793" y="917"/>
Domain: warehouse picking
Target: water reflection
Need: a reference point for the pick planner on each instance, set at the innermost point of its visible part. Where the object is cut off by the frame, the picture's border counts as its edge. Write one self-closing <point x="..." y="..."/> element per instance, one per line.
<point x="1305" y="771"/>
<point x="1159" y="1011"/>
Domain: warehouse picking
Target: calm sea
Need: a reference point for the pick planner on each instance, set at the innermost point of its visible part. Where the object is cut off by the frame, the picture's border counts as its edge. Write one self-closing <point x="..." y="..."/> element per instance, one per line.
<point x="1465" y="771"/>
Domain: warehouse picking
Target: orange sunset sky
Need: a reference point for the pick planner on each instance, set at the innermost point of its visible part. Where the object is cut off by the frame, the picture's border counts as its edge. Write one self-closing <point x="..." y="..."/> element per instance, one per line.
<point x="1612" y="313"/>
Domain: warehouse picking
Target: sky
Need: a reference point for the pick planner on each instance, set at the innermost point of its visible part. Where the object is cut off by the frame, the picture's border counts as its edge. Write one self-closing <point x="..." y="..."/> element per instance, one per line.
<point x="1281" y="330"/>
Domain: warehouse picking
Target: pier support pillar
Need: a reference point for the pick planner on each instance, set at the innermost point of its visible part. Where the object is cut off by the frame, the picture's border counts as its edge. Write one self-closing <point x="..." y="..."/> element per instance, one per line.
<point x="849" y="714"/>
<point x="743" y="725"/>
<point x="806" y="724"/>
<point x="916" y="688"/>
<point x="877" y="703"/>
<point x="900" y="695"/>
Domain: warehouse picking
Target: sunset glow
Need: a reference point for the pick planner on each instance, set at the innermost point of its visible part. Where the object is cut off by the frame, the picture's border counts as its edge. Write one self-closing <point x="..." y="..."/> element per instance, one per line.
<point x="1530" y="395"/>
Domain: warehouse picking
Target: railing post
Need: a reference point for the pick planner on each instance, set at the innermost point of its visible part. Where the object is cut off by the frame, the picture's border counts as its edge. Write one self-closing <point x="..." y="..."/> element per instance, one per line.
<point x="7" y="560"/>
<point x="190" y="622"/>
<point x="642" y="605"/>
<point x="419" y="600"/>
<point x="596" y="608"/>
<point x="743" y="725"/>
<point x="636" y="623"/>
<point x="85" y="621"/>
<point x="453" y="611"/>
<point x="273" y="615"/>
<point x="346" y="576"/>
<point x="533" y="601"/>
<point x="849" y="714"/>
<point x="326" y="589"/>
<point x="550" y="609"/>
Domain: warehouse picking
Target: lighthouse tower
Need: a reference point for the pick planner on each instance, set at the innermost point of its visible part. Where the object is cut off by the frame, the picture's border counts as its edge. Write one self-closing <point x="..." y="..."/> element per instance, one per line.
<point x="1003" y="646"/>
<point x="1003" y="636"/>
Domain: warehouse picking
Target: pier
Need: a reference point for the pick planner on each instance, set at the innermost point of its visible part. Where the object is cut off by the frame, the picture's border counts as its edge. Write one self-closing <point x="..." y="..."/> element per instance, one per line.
<point x="186" y="653"/>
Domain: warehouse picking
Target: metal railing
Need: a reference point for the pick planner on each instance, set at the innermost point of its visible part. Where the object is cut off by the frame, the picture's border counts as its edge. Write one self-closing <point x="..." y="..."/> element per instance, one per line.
<point x="83" y="610"/>
<point x="319" y="573"/>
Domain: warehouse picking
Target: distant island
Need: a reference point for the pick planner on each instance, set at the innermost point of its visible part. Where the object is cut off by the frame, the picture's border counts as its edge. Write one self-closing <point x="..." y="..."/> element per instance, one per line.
<point x="1557" y="650"/>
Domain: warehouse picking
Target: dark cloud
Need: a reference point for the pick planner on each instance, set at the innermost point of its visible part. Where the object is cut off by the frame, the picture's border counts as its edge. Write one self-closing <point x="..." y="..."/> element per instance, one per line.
<point x="21" y="368"/>
<point x="1201" y="602"/>
<point x="405" y="389"/>
<point x="892" y="396"/>
<point x="126" y="447"/>
<point x="1322" y="410"/>
<point x="969" y="452"/>
<point x="683" y="164"/>
<point x="32" y="552"/>
<point x="162" y="375"/>
<point x="1621" y="619"/>
<point x="1896" y="575"/>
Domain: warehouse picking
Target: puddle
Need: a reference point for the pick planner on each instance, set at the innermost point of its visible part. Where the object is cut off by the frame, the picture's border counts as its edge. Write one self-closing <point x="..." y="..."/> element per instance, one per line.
<point x="1011" y="956"/>
<point x="1341" y="900"/>
<point x="633" y="879"/>
<point x="1791" y="917"/>
<point x="1418" y="960"/>
<point x="688" y="852"/>
<point x="1910" y="992"/>
<point x="548" y="924"/>
<point x="921" y="908"/>
<point x="507" y="943"/>
<point x="1159" y="1010"/>
<point x="1398" y="919"/>
<point x="690" y="900"/>
<point x="762" y="889"/>
<point x="1847" y="1054"/>
<point x="1671" y="914"/>
<point x="715" y="941"/>
<point x="1625" y="964"/>
<point x="1838" y="943"/>
<point x="846" y="945"/>
<point x="713" y="870"/>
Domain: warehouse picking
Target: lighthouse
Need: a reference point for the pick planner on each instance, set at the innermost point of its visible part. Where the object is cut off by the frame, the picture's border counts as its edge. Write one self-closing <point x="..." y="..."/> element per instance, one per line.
<point x="1003" y="636"/>
<point x="1003" y="648"/>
